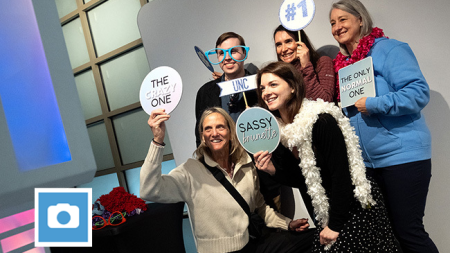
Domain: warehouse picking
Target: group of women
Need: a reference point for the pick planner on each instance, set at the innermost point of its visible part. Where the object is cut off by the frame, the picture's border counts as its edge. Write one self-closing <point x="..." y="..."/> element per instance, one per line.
<point x="366" y="167"/>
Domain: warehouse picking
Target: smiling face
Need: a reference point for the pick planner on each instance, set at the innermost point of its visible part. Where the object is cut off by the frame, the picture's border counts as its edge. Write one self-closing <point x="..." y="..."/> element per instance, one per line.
<point x="275" y="92"/>
<point x="231" y="68"/>
<point x="345" y="28"/>
<point x="216" y="134"/>
<point x="286" y="46"/>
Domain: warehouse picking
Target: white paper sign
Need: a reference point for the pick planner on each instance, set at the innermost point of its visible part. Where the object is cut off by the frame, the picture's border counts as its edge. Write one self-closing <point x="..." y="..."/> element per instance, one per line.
<point x="356" y="81"/>
<point x="296" y="14"/>
<point x="161" y="88"/>
<point x="237" y="85"/>
<point x="258" y="130"/>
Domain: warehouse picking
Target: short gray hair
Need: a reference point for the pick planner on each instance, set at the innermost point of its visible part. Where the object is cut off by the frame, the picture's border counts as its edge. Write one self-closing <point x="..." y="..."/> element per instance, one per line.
<point x="357" y="9"/>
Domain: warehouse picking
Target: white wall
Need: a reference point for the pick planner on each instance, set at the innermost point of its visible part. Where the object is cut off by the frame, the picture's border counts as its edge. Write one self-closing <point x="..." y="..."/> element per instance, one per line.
<point x="170" y="29"/>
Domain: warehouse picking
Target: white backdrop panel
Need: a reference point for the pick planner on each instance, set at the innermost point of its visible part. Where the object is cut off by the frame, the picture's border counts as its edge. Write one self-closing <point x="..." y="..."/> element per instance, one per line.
<point x="170" y="29"/>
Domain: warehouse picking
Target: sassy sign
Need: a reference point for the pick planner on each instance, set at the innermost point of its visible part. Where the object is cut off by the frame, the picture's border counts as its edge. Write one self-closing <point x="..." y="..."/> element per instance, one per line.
<point x="161" y="88"/>
<point x="296" y="14"/>
<point x="257" y="130"/>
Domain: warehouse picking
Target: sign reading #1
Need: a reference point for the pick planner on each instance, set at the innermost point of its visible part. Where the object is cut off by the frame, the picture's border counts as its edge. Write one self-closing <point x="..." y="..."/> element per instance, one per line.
<point x="257" y="130"/>
<point x="296" y="14"/>
<point x="237" y="85"/>
<point x="356" y="81"/>
<point x="161" y="88"/>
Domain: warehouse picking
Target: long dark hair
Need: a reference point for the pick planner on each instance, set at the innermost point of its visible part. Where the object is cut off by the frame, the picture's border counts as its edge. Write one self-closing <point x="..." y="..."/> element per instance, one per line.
<point x="313" y="55"/>
<point x="288" y="73"/>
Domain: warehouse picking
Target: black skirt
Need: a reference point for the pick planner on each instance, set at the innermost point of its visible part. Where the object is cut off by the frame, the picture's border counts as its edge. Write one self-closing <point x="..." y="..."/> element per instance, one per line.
<point x="367" y="230"/>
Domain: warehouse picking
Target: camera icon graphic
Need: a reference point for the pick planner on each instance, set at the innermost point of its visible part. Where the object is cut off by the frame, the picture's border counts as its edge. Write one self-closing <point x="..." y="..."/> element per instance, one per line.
<point x="63" y="215"/>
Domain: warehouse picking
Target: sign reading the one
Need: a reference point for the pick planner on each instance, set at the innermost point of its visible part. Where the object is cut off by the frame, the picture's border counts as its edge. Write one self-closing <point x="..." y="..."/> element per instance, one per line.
<point x="161" y="88"/>
<point x="356" y="81"/>
<point x="202" y="57"/>
<point x="237" y="85"/>
<point x="257" y="130"/>
<point x="296" y="14"/>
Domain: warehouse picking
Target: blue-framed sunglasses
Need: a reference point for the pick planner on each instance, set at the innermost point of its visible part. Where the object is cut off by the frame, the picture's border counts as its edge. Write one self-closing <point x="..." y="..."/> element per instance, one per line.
<point x="217" y="55"/>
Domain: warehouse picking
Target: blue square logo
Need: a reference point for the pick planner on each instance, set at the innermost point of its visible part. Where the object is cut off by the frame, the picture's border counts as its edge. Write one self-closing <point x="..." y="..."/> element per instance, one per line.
<point x="63" y="217"/>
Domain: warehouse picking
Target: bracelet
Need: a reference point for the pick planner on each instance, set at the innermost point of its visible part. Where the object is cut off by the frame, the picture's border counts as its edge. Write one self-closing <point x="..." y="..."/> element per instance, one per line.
<point x="160" y="144"/>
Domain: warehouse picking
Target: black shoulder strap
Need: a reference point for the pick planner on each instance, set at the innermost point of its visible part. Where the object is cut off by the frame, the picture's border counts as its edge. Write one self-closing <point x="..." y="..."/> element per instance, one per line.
<point x="230" y="188"/>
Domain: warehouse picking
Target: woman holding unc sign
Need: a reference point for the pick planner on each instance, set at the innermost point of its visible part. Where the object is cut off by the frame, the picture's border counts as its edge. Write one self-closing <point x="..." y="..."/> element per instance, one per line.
<point x="318" y="147"/>
<point x="393" y="135"/>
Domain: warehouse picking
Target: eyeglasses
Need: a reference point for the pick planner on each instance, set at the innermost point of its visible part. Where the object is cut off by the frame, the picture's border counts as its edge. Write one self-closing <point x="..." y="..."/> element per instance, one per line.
<point x="237" y="53"/>
<point x="116" y="218"/>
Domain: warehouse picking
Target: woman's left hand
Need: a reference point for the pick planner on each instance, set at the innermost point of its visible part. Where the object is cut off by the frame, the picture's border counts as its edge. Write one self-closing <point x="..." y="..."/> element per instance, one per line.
<point x="303" y="53"/>
<point x="361" y="105"/>
<point x="298" y="225"/>
<point x="327" y="236"/>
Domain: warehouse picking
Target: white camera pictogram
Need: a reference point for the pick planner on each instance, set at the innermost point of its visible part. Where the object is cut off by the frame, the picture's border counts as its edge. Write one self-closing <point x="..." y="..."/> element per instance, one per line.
<point x="52" y="216"/>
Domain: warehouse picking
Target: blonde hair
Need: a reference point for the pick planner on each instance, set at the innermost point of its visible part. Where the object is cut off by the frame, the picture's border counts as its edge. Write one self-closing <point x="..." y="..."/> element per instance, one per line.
<point x="236" y="150"/>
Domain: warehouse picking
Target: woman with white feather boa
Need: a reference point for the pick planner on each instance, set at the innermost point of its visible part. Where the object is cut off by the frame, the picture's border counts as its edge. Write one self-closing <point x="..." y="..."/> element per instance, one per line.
<point x="319" y="154"/>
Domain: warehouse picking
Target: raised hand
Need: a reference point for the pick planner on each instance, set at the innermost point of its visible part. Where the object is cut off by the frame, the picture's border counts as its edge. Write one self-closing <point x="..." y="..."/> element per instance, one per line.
<point x="302" y="53"/>
<point x="156" y="123"/>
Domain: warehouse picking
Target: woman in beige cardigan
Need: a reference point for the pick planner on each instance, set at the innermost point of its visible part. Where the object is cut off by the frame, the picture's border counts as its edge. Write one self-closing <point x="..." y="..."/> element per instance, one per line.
<point x="219" y="222"/>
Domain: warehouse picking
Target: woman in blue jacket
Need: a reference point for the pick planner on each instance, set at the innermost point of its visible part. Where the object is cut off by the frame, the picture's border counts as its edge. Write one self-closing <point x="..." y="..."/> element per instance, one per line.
<point x="394" y="137"/>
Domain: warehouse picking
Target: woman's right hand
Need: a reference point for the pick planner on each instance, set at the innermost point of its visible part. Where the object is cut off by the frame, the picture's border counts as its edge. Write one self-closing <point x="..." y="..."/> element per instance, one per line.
<point x="361" y="105"/>
<point x="216" y="75"/>
<point x="263" y="162"/>
<point x="156" y="123"/>
<point x="328" y="236"/>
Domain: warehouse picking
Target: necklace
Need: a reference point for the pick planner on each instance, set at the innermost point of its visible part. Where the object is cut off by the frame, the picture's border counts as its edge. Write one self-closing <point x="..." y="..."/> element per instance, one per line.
<point x="299" y="134"/>
<point x="361" y="51"/>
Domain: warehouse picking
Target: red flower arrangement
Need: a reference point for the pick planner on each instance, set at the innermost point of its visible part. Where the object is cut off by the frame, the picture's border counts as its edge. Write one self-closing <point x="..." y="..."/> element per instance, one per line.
<point x="120" y="200"/>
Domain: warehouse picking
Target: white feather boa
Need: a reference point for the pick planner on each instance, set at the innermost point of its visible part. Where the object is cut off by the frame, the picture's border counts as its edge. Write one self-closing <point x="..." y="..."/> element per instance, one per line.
<point x="299" y="134"/>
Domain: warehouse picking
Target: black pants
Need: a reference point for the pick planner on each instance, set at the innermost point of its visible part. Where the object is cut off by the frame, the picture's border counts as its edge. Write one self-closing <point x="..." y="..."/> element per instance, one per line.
<point x="281" y="242"/>
<point x="405" y="189"/>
